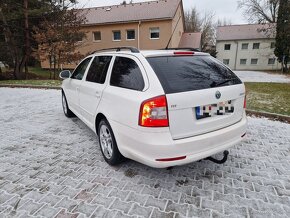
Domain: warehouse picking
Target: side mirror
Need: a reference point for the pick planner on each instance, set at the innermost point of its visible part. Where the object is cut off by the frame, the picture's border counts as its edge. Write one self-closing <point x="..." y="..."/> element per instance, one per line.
<point x="65" y="74"/>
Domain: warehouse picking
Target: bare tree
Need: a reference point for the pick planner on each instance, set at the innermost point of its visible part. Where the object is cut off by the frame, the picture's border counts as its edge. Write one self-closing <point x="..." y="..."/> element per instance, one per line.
<point x="193" y="21"/>
<point x="223" y="22"/>
<point x="20" y="55"/>
<point x="207" y="31"/>
<point x="259" y="11"/>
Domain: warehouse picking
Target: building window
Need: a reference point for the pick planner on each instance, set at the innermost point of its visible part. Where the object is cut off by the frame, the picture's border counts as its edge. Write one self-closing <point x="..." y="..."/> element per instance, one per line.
<point x="245" y="46"/>
<point x="97" y="36"/>
<point x="79" y="37"/>
<point x="227" y="46"/>
<point x="154" y="33"/>
<point x="256" y="45"/>
<point x="243" y="61"/>
<point x="273" y="44"/>
<point x="130" y="34"/>
<point x="226" y="61"/>
<point x="271" y="61"/>
<point x="117" y="35"/>
<point x="254" y="61"/>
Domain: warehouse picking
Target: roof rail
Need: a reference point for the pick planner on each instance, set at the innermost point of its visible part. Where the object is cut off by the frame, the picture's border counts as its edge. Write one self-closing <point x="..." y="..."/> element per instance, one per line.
<point x="132" y="49"/>
<point x="187" y="48"/>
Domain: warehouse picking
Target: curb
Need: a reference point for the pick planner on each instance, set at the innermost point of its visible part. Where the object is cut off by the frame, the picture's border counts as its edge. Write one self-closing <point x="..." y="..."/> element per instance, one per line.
<point x="29" y="86"/>
<point x="271" y="116"/>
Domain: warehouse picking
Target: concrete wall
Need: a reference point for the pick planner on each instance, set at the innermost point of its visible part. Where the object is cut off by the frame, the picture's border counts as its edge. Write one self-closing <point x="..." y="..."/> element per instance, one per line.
<point x="88" y="45"/>
<point x="176" y="37"/>
<point x="236" y="53"/>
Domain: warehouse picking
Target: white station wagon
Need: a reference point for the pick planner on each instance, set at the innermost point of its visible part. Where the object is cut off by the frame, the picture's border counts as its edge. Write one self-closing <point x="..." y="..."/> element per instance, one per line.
<point x="161" y="108"/>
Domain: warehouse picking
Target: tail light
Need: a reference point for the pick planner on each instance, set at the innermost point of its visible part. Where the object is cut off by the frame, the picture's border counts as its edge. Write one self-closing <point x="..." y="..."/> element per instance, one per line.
<point x="245" y="102"/>
<point x="154" y="112"/>
<point x="184" y="53"/>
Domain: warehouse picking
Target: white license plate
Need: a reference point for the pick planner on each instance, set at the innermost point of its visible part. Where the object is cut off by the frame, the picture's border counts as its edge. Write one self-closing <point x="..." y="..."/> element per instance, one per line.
<point x="221" y="108"/>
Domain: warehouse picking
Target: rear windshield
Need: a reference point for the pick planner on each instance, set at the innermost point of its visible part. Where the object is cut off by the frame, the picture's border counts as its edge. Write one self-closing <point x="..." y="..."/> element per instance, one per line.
<point x="189" y="73"/>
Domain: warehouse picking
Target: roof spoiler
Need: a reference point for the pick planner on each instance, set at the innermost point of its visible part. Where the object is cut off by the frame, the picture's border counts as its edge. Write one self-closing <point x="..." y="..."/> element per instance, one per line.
<point x="132" y="49"/>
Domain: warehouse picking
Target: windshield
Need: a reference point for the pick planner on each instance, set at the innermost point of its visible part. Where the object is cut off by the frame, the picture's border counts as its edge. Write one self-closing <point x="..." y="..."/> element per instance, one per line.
<point x="189" y="73"/>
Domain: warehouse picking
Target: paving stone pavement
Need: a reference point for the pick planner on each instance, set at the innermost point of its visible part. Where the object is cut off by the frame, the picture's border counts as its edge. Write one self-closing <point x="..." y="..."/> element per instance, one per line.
<point x="51" y="166"/>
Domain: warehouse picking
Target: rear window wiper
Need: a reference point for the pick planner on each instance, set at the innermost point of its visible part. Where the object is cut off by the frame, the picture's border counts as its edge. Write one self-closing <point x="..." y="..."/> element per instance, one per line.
<point x="216" y="84"/>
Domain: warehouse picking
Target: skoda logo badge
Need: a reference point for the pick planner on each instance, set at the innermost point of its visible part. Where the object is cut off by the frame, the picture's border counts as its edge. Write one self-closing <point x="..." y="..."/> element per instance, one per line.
<point x="218" y="95"/>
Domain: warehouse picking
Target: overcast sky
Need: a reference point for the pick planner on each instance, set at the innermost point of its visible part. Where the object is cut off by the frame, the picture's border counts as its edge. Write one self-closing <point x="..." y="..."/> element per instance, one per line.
<point x="223" y="8"/>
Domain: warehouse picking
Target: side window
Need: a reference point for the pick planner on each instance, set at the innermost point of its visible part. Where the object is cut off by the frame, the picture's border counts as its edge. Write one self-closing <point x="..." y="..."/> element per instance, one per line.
<point x="243" y="61"/>
<point x="127" y="74"/>
<point x="117" y="35"/>
<point x="81" y="69"/>
<point x="154" y="33"/>
<point x="226" y="61"/>
<point x="256" y="45"/>
<point x="227" y="47"/>
<point x="98" y="69"/>
<point x="245" y="46"/>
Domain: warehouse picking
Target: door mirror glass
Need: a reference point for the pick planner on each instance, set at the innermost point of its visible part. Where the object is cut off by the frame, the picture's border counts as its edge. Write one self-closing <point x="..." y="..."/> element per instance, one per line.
<point x="65" y="74"/>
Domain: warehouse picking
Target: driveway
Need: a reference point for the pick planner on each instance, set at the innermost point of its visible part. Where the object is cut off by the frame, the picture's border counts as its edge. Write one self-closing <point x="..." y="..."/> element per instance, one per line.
<point x="51" y="166"/>
<point x="255" y="76"/>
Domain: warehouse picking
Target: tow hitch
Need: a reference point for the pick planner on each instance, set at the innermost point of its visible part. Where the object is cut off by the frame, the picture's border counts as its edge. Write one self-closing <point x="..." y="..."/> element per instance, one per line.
<point x="226" y="153"/>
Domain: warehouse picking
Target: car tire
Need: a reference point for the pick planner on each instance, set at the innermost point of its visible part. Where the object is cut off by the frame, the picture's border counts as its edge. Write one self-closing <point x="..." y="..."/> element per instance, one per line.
<point x="67" y="112"/>
<point x="108" y="144"/>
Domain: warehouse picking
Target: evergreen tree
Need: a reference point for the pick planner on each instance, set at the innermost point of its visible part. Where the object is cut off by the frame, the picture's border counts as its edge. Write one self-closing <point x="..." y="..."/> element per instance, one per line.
<point x="282" y="50"/>
<point x="16" y="21"/>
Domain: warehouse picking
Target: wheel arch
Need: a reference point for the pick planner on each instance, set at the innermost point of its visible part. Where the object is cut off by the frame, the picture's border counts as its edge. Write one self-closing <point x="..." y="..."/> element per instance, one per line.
<point x="98" y="119"/>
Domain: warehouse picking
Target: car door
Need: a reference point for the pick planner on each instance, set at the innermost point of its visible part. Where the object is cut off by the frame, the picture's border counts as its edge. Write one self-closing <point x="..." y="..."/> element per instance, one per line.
<point x="92" y="88"/>
<point x="72" y="91"/>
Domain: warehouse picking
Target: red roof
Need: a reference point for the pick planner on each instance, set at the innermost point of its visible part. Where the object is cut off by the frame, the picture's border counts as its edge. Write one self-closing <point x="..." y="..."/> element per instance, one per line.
<point x="191" y="40"/>
<point x="248" y="31"/>
<point x="151" y="10"/>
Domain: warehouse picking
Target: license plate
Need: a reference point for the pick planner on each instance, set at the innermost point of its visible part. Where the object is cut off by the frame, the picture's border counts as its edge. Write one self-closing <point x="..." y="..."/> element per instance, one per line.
<point x="221" y="108"/>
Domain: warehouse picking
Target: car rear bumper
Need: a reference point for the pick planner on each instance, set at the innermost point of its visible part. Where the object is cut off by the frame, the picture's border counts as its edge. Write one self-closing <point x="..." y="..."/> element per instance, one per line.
<point x="147" y="147"/>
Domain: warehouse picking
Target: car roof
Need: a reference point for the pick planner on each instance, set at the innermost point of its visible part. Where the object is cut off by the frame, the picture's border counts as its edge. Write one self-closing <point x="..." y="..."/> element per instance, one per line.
<point x="150" y="53"/>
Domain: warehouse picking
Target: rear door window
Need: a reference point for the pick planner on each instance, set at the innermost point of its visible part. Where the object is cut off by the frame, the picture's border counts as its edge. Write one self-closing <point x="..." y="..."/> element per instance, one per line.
<point x="98" y="69"/>
<point x="127" y="74"/>
<point x="189" y="73"/>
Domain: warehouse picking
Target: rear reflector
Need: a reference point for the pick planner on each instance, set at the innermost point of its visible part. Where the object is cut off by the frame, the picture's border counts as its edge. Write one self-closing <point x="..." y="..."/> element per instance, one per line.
<point x="183" y="53"/>
<point x="171" y="159"/>
<point x="154" y="112"/>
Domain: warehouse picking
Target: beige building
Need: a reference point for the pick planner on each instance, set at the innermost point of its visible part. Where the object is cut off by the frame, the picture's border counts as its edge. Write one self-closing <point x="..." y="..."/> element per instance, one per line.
<point x="247" y="47"/>
<point x="145" y="25"/>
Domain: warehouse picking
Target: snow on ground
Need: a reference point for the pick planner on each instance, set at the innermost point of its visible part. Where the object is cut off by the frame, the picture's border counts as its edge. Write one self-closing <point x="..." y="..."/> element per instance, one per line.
<point x="51" y="166"/>
<point x="254" y="76"/>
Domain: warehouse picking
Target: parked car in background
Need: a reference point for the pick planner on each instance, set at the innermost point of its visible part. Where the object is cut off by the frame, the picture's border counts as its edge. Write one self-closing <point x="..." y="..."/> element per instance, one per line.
<point x="161" y="108"/>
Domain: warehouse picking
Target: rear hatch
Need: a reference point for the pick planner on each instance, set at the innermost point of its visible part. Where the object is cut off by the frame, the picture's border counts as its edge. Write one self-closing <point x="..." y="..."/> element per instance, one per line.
<point x="203" y="95"/>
